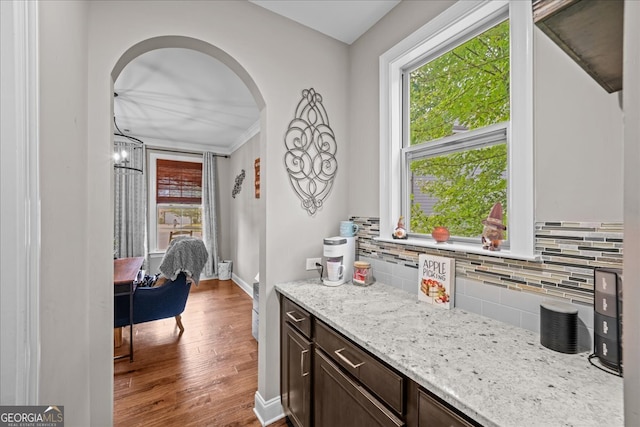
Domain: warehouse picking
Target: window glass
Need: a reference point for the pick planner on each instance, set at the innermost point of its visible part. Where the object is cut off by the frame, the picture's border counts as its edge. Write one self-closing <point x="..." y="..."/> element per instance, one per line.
<point x="455" y="175"/>
<point x="174" y="220"/>
<point x="463" y="89"/>
<point x="458" y="189"/>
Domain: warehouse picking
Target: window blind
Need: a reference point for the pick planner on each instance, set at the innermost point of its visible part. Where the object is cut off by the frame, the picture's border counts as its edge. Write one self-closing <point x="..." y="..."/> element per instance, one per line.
<point x="178" y="182"/>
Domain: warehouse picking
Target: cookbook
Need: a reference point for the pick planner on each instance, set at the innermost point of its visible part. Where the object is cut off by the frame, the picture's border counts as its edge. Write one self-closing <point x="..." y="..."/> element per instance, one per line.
<point x="436" y="280"/>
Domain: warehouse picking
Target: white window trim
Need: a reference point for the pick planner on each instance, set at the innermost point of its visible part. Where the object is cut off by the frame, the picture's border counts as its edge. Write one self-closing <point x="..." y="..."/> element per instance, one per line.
<point x="438" y="31"/>
<point x="152" y="211"/>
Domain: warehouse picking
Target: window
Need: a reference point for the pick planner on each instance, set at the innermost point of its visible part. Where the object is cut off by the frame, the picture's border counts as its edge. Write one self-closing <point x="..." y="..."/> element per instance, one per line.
<point x="456" y="127"/>
<point x="176" y="198"/>
<point x="455" y="175"/>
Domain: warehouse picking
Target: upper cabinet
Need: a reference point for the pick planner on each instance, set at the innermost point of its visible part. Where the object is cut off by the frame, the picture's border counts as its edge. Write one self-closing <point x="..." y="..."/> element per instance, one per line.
<point x="590" y="32"/>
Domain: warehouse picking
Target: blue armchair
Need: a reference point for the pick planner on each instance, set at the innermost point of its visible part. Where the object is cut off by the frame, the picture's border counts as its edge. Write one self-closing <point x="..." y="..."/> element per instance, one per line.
<point x="160" y="302"/>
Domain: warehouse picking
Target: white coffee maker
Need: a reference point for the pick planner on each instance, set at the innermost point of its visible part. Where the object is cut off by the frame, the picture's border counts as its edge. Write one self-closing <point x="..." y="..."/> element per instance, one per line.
<point x="339" y="254"/>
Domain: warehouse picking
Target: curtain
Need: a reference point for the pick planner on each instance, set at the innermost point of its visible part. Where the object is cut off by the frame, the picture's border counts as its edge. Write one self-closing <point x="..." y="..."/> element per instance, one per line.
<point x="130" y="215"/>
<point x="210" y="218"/>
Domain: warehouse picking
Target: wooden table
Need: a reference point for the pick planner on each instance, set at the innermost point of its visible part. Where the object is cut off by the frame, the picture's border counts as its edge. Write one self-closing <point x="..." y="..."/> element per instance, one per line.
<point x="126" y="272"/>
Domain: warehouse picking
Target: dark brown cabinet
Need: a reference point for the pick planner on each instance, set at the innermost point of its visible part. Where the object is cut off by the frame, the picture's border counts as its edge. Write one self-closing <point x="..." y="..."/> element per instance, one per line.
<point x="432" y="413"/>
<point x="340" y="401"/>
<point x="296" y="396"/>
<point x="327" y="380"/>
<point x="386" y="384"/>
<point x="295" y="370"/>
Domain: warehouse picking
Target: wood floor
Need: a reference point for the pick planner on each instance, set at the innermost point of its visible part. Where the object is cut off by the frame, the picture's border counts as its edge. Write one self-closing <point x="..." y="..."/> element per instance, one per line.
<point x="206" y="377"/>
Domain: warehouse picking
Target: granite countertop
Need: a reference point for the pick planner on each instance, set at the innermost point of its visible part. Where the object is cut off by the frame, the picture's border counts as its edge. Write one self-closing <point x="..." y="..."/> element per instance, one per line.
<point x="498" y="374"/>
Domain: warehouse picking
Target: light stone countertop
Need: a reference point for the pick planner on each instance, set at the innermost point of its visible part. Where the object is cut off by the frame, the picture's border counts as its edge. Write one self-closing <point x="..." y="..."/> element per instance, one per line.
<point x="497" y="374"/>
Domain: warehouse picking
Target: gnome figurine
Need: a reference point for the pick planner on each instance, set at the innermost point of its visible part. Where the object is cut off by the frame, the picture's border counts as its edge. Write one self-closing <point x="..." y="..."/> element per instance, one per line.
<point x="492" y="233"/>
<point x="400" y="232"/>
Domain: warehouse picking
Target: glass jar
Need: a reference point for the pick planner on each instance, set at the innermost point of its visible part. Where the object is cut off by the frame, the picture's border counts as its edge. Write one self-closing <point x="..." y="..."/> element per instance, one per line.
<point x="362" y="274"/>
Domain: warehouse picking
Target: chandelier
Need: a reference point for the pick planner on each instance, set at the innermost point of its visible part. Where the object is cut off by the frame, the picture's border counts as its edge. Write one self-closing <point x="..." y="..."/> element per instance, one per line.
<point x="128" y="153"/>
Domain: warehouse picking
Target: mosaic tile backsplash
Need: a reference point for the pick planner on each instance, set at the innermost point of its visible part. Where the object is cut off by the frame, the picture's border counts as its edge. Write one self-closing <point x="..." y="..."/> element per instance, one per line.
<point x="569" y="250"/>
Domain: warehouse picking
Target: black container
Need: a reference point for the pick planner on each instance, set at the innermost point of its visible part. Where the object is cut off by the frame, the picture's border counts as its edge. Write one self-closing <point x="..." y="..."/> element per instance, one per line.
<point x="559" y="326"/>
<point x="607" y="328"/>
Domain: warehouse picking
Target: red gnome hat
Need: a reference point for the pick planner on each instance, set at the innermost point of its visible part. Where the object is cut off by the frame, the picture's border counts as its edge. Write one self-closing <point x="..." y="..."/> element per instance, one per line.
<point x="495" y="217"/>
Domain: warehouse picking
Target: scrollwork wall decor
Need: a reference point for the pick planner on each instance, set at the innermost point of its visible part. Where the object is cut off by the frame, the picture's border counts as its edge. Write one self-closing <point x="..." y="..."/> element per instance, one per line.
<point x="238" y="186"/>
<point x="311" y="152"/>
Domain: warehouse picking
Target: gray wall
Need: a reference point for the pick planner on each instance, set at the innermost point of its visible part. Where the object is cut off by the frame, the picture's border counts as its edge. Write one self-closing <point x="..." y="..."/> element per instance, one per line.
<point x="244" y="215"/>
<point x="578" y="141"/>
<point x="225" y="235"/>
<point x="68" y="373"/>
<point x="364" y="96"/>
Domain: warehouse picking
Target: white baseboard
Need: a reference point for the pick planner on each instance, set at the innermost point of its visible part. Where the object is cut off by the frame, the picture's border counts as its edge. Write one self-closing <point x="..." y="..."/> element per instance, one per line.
<point x="243" y="285"/>
<point x="268" y="412"/>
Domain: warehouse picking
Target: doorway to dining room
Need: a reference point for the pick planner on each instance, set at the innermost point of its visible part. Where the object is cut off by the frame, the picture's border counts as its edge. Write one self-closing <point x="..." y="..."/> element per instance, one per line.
<point x="149" y="337"/>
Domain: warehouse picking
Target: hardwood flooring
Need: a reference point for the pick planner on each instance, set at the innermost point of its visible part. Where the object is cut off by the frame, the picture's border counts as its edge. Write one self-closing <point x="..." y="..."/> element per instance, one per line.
<point x="205" y="377"/>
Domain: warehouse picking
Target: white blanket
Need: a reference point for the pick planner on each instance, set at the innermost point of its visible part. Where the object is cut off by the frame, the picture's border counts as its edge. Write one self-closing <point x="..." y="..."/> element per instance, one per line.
<point x="184" y="255"/>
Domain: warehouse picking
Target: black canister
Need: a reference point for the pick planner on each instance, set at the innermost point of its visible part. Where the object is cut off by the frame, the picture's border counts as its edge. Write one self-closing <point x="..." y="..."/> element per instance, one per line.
<point x="559" y="326"/>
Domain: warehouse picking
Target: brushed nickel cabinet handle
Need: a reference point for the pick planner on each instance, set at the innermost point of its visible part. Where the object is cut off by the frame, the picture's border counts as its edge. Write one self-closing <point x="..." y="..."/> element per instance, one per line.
<point x="294" y="318"/>
<point x="347" y="361"/>
<point x="304" y="374"/>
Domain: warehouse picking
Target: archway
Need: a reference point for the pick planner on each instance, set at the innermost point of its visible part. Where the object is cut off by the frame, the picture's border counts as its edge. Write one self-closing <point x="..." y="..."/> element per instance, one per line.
<point x="163" y="42"/>
<point x="194" y="44"/>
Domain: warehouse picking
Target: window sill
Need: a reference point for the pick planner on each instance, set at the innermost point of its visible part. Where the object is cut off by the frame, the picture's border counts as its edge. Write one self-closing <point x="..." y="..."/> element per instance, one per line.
<point x="460" y="247"/>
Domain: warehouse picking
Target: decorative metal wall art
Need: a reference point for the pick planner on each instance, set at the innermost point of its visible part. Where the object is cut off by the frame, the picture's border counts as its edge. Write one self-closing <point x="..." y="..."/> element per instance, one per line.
<point x="238" y="186"/>
<point x="311" y="152"/>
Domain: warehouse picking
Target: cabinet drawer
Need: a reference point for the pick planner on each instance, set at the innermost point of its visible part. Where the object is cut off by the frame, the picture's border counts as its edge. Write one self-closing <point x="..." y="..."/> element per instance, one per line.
<point x="432" y="413"/>
<point x="299" y="318"/>
<point x="373" y="374"/>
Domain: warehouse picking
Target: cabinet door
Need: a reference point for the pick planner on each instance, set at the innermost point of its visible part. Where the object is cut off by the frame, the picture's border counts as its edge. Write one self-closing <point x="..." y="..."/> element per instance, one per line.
<point x="339" y="401"/>
<point x="296" y="377"/>
<point x="384" y="383"/>
<point x="432" y="413"/>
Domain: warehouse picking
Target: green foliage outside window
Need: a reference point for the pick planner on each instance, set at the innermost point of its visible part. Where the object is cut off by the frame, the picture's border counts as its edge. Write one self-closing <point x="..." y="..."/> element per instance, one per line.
<point x="464" y="89"/>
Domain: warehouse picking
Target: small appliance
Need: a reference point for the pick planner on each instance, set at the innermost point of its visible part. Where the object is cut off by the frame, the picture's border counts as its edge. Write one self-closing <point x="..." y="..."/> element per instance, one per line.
<point x="339" y="253"/>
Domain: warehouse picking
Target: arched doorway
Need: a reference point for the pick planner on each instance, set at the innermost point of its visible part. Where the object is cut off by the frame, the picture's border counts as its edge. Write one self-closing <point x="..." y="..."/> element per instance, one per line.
<point x="164" y="42"/>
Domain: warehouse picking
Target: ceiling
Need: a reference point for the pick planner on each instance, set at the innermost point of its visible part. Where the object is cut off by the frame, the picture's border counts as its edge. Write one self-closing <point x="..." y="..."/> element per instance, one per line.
<point x="180" y="97"/>
<point x="344" y="20"/>
<point x="172" y="96"/>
